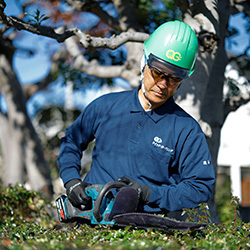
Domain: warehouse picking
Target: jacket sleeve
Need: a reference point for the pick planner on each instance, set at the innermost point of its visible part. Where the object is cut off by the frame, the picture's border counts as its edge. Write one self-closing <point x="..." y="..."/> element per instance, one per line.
<point x="76" y="140"/>
<point x="195" y="181"/>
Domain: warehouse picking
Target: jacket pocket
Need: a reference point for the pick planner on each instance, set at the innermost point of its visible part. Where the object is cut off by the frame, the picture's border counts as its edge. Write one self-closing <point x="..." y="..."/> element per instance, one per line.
<point x="156" y="165"/>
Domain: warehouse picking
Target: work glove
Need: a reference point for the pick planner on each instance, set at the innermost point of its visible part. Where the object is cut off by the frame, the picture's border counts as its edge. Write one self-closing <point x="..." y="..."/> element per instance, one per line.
<point x="75" y="190"/>
<point x="143" y="191"/>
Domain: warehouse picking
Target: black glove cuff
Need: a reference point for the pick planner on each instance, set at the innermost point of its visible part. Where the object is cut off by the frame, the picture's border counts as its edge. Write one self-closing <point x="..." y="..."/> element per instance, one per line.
<point x="71" y="183"/>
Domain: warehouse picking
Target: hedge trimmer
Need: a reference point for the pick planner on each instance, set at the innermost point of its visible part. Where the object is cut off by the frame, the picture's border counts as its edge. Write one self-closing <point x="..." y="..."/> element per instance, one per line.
<point x="116" y="211"/>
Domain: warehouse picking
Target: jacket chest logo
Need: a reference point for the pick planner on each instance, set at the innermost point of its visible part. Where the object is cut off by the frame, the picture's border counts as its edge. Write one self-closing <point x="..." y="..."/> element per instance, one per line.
<point x="157" y="142"/>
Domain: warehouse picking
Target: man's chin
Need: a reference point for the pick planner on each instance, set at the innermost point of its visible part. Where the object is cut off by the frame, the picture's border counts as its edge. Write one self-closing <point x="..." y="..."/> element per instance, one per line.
<point x="156" y="103"/>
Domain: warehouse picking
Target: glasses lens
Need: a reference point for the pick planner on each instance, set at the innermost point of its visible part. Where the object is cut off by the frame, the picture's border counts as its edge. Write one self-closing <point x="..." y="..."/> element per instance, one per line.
<point x="169" y="68"/>
<point x="155" y="73"/>
<point x="158" y="76"/>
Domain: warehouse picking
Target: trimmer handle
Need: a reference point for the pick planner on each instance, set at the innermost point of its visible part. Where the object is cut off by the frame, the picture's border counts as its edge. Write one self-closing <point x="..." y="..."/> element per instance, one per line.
<point x="106" y="188"/>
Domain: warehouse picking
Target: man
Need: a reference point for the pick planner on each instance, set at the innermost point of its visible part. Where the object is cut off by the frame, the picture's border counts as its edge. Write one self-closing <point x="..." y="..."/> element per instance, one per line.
<point x="142" y="137"/>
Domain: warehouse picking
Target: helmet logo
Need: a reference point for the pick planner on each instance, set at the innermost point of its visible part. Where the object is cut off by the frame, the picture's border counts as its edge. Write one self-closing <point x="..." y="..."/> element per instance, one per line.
<point x="171" y="54"/>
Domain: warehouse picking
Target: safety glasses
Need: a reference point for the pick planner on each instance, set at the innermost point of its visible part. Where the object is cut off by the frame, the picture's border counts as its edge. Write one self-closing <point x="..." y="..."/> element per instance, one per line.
<point x="166" y="67"/>
<point x="159" y="76"/>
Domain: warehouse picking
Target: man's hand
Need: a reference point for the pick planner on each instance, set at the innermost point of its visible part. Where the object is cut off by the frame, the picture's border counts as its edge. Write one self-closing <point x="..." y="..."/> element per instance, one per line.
<point x="75" y="190"/>
<point x="142" y="190"/>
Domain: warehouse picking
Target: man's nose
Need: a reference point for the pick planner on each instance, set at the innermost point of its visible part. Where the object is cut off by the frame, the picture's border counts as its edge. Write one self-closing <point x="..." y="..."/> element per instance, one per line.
<point x="163" y="83"/>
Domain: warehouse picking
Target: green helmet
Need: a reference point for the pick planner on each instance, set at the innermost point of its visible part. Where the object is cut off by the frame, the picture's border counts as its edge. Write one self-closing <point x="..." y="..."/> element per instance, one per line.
<point x="172" y="48"/>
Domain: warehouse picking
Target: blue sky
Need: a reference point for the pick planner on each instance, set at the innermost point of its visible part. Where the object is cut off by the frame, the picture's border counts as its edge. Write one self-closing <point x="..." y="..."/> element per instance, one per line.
<point x="33" y="68"/>
<point x="242" y="39"/>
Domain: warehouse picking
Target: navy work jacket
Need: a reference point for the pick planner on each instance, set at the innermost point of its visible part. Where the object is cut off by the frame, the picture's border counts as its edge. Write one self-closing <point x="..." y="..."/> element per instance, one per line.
<point x="163" y="148"/>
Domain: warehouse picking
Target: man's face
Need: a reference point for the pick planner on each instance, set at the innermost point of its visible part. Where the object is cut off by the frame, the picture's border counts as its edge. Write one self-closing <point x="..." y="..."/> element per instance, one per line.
<point x="159" y="86"/>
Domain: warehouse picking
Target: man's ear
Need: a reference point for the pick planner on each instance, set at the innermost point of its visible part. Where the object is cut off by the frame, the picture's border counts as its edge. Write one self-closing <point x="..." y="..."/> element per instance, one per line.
<point x="143" y="65"/>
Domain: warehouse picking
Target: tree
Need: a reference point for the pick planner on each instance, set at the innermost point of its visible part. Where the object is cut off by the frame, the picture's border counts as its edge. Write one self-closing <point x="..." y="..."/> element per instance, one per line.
<point x="130" y="22"/>
<point x="20" y="144"/>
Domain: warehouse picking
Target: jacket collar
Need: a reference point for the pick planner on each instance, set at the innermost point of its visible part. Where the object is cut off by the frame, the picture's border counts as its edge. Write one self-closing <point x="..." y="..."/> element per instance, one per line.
<point x="155" y="114"/>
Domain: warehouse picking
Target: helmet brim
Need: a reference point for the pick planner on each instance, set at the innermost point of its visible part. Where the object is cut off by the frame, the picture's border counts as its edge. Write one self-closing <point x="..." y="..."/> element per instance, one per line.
<point x="167" y="67"/>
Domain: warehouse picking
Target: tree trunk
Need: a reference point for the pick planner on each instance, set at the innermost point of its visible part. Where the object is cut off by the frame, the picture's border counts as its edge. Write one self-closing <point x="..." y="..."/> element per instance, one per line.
<point x="212" y="109"/>
<point x="10" y="157"/>
<point x="204" y="99"/>
<point x="192" y="92"/>
<point x="22" y="151"/>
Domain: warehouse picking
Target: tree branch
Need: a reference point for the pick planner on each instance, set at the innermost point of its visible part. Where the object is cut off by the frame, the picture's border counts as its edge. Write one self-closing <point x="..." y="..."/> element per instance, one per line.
<point x="244" y="54"/>
<point x="235" y="102"/>
<point x="183" y="5"/>
<point x="95" y="8"/>
<point x="36" y="29"/>
<point x="111" y="43"/>
<point x="94" y="68"/>
<point x="61" y="34"/>
<point x="127" y="15"/>
<point x="240" y="6"/>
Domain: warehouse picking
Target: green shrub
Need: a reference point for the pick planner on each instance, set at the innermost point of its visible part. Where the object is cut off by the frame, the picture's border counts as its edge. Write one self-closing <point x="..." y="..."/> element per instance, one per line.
<point x="26" y="224"/>
<point x="18" y="204"/>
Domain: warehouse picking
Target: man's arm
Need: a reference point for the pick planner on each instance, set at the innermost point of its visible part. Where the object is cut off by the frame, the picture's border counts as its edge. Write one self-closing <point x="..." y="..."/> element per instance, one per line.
<point x="196" y="182"/>
<point x="76" y="140"/>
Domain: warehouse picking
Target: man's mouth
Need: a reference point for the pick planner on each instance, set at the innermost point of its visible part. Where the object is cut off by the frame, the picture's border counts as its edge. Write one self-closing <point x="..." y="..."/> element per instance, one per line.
<point x="159" y="94"/>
